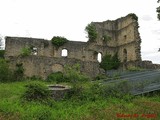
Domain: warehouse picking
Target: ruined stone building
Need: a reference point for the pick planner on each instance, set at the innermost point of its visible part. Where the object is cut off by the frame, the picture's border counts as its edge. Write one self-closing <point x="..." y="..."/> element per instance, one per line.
<point x="46" y="58"/>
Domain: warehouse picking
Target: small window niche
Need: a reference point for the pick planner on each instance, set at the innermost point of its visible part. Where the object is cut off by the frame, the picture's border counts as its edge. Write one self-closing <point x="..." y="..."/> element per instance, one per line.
<point x="99" y="57"/>
<point x="125" y="37"/>
<point x="34" y="51"/>
<point x="64" y="53"/>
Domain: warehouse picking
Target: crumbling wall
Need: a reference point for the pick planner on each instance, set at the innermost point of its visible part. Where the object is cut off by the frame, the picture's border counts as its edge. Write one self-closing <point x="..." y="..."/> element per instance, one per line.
<point x="125" y="41"/>
<point x="43" y="66"/>
<point x="124" y="37"/>
<point x="14" y="46"/>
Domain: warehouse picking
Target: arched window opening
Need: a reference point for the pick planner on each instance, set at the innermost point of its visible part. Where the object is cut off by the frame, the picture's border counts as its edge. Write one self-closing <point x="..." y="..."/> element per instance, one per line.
<point x="99" y="57"/>
<point x="34" y="51"/>
<point x="64" y="53"/>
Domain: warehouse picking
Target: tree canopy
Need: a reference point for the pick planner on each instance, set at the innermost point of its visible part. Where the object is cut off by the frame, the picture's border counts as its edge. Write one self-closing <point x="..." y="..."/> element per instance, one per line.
<point x="158" y="11"/>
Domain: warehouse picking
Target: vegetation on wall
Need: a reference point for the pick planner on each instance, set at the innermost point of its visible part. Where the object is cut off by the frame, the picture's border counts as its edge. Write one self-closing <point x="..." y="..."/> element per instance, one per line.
<point x="26" y="51"/>
<point x="58" y="41"/>
<point x="92" y="33"/>
<point x="71" y="74"/>
<point x="2" y="53"/>
<point x="5" y="72"/>
<point x="106" y="38"/>
<point x="56" y="77"/>
<point x="19" y="71"/>
<point x="110" y="62"/>
<point x="134" y="16"/>
<point x="8" y="75"/>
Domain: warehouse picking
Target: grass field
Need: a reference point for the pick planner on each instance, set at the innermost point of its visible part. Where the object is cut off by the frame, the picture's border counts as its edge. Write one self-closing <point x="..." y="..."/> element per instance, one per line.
<point x="12" y="107"/>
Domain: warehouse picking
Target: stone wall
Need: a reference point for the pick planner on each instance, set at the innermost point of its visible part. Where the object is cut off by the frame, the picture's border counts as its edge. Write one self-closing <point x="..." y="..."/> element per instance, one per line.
<point x="125" y="41"/>
<point x="124" y="37"/>
<point x="43" y="66"/>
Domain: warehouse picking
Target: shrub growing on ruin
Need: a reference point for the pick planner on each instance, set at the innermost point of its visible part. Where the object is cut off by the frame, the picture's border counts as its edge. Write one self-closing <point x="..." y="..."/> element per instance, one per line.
<point x="92" y="33"/>
<point x="106" y="38"/>
<point x="19" y="72"/>
<point x="5" y="73"/>
<point x="116" y="61"/>
<point x="74" y="75"/>
<point x="26" y="51"/>
<point x="58" y="41"/>
<point x="110" y="62"/>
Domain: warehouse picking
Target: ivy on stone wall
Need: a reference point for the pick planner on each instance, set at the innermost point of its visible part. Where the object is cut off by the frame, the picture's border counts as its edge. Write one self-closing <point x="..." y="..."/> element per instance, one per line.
<point x="106" y="38"/>
<point x="19" y="71"/>
<point x="92" y="33"/>
<point x="58" y="41"/>
<point x="110" y="62"/>
<point x="26" y="51"/>
<point x="134" y="16"/>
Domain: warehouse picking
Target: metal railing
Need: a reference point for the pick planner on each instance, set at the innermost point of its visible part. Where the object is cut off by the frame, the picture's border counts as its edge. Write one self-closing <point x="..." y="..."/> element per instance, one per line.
<point x="140" y="82"/>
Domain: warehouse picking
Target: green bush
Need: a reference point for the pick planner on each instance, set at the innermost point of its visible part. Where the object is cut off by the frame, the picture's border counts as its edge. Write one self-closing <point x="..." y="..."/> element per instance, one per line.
<point x="92" y="33"/>
<point x="5" y="73"/>
<point x="100" y="76"/>
<point x="98" y="91"/>
<point x="26" y="51"/>
<point x="110" y="62"/>
<point x="36" y="92"/>
<point x="58" y="41"/>
<point x="56" y="77"/>
<point x="106" y="38"/>
<point x="2" y="53"/>
<point x="19" y="71"/>
<point x="73" y="74"/>
<point x="117" y="90"/>
<point x="75" y="93"/>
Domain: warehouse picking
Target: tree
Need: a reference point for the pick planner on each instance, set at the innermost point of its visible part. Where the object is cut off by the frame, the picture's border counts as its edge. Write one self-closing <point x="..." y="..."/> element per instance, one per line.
<point x="158" y="11"/>
<point x="110" y="62"/>
<point x="92" y="33"/>
<point x="106" y="63"/>
<point x="58" y="41"/>
<point x="1" y="43"/>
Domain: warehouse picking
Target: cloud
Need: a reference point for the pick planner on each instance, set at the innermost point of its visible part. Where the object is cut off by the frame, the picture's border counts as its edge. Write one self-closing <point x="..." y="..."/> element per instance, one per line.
<point x="147" y="18"/>
<point x="152" y="56"/>
<point x="156" y="31"/>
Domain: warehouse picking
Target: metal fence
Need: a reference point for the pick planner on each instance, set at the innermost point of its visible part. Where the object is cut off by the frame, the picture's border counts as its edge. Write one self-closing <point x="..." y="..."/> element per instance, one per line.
<point x="140" y="81"/>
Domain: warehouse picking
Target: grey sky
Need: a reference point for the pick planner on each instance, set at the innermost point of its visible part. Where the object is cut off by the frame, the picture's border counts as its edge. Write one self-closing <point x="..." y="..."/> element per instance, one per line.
<point x="68" y="18"/>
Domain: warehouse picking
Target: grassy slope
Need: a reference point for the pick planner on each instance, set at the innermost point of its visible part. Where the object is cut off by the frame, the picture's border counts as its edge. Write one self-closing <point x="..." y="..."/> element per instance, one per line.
<point x="12" y="108"/>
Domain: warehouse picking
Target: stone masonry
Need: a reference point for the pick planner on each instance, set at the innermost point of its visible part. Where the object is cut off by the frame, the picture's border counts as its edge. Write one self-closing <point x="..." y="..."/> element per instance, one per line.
<point x="46" y="58"/>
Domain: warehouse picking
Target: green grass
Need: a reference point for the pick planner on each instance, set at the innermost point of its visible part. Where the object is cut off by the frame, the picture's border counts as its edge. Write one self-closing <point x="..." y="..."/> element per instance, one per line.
<point x="13" y="108"/>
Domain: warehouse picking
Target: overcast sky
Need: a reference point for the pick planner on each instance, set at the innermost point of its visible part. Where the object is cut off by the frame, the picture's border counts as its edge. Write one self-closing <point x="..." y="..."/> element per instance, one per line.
<point x="68" y="18"/>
